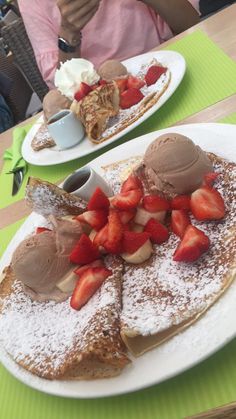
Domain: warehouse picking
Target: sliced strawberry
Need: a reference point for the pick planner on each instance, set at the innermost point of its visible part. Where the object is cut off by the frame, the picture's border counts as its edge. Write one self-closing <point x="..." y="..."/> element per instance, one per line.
<point x="42" y="229"/>
<point x="102" y="82"/>
<point x="158" y="232"/>
<point x="127" y="200"/>
<point x="96" y="218"/>
<point x="154" y="203"/>
<point x="81" y="269"/>
<point x="131" y="183"/>
<point x="94" y="86"/>
<point x="114" y="233"/>
<point x="207" y="204"/>
<point x="192" y="246"/>
<point x="132" y="241"/>
<point x="121" y="84"/>
<point x="181" y="202"/>
<point x="98" y="200"/>
<point x="83" y="90"/>
<point x="84" y="252"/>
<point x="179" y="222"/>
<point x="154" y="73"/>
<point x="126" y="216"/>
<point x="88" y="284"/>
<point x="101" y="236"/>
<point x="210" y="178"/>
<point x="130" y="97"/>
<point x="135" y="82"/>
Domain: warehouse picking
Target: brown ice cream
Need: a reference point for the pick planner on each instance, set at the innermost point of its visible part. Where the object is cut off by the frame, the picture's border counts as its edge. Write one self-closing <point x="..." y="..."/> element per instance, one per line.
<point x="42" y="260"/>
<point x="175" y="164"/>
<point x="112" y="69"/>
<point x="53" y="102"/>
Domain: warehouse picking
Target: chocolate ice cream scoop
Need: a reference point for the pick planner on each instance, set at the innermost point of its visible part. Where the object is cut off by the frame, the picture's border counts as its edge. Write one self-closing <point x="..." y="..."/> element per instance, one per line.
<point x="112" y="69"/>
<point x="53" y="102"/>
<point x="175" y="165"/>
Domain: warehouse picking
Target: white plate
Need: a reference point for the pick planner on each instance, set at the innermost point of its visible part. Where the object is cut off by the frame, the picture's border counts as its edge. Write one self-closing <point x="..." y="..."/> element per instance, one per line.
<point x="199" y="341"/>
<point x="50" y="156"/>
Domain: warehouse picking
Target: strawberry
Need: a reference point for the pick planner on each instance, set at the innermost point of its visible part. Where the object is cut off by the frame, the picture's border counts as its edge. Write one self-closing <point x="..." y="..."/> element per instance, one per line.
<point x="84" y="251"/>
<point x="127" y="200"/>
<point x="98" y="200"/>
<point x="95" y="218"/>
<point x="101" y="236"/>
<point x="135" y="82"/>
<point x="81" y="269"/>
<point x="41" y="230"/>
<point x="154" y="203"/>
<point x="121" y="84"/>
<point x="88" y="284"/>
<point x="114" y="233"/>
<point x="84" y="89"/>
<point x="210" y="178"/>
<point x="126" y="216"/>
<point x="130" y="97"/>
<point x="180" y="202"/>
<point x="192" y="246"/>
<point x="131" y="183"/>
<point x="179" y="222"/>
<point x="207" y="204"/>
<point x="154" y="73"/>
<point x="102" y="82"/>
<point x="158" y="232"/>
<point x="94" y="86"/>
<point x="132" y="241"/>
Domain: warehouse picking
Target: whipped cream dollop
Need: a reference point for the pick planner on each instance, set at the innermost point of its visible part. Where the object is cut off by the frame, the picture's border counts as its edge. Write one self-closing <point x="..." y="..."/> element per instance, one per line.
<point x="71" y="73"/>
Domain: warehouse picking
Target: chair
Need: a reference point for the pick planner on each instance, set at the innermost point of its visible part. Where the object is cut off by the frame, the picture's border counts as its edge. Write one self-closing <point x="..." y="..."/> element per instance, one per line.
<point x="16" y="38"/>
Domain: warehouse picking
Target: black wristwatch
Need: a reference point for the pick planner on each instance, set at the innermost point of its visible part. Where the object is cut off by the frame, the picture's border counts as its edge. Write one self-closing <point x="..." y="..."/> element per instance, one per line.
<point x="66" y="47"/>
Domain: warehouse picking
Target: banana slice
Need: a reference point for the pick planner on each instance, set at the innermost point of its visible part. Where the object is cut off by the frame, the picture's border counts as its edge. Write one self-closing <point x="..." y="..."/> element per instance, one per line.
<point x="92" y="234"/>
<point x="141" y="255"/>
<point x="68" y="282"/>
<point x="142" y="216"/>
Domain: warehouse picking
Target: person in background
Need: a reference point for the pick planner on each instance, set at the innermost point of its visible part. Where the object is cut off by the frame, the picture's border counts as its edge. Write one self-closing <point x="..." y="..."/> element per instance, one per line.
<point x="6" y="117"/>
<point x="98" y="30"/>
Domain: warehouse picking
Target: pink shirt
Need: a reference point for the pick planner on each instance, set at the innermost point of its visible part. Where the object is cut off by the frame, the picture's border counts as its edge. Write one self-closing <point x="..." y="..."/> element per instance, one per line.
<point x="120" y="29"/>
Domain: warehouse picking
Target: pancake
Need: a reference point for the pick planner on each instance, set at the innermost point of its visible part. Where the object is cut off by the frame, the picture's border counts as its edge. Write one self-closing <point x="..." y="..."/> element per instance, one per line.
<point x="160" y="298"/>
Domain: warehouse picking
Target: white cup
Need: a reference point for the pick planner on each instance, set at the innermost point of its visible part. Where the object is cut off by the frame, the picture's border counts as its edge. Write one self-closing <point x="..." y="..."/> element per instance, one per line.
<point x="66" y="129"/>
<point x="83" y="183"/>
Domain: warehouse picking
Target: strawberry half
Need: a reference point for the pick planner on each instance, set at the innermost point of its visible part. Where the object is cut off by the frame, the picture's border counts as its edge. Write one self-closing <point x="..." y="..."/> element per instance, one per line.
<point x="121" y="84"/>
<point x="88" y="284"/>
<point x="130" y="97"/>
<point x="154" y="73"/>
<point x="83" y="90"/>
<point x="210" y="178"/>
<point x="102" y="82"/>
<point x="207" y="204"/>
<point x="126" y="216"/>
<point x="135" y="82"/>
<point x="179" y="222"/>
<point x="158" y="232"/>
<point x="127" y="200"/>
<point x="114" y="233"/>
<point x="95" y="218"/>
<point x="98" y="200"/>
<point x="81" y="269"/>
<point x="181" y="202"/>
<point x="84" y="252"/>
<point x="192" y="246"/>
<point x="101" y="237"/>
<point x="154" y="203"/>
<point x="132" y="241"/>
<point x="41" y="230"/>
<point x="131" y="183"/>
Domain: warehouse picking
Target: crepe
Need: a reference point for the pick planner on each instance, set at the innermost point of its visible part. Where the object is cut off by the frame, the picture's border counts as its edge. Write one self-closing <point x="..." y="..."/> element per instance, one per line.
<point x="170" y="296"/>
<point x="42" y="139"/>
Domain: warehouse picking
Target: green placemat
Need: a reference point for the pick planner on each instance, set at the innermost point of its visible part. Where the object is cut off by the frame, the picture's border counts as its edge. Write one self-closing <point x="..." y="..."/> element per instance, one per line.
<point x="210" y="77"/>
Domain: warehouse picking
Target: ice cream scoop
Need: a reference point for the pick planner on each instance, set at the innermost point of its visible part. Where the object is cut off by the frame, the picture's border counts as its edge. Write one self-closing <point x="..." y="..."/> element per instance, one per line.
<point x="71" y="73"/>
<point x="42" y="260"/>
<point x="112" y="69"/>
<point x="175" y="165"/>
<point x="53" y="102"/>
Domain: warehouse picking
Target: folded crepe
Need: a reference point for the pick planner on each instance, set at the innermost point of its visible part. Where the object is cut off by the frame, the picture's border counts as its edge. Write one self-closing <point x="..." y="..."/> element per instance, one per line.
<point x="95" y="109"/>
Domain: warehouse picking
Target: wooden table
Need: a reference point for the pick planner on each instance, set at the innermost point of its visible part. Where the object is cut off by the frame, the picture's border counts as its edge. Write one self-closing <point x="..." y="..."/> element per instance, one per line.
<point x="221" y="29"/>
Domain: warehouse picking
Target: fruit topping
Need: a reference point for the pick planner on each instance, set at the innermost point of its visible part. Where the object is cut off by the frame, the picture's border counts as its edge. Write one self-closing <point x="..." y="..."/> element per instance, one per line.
<point x="210" y="178"/>
<point x="98" y="200"/>
<point x="127" y="216"/>
<point x="192" y="246"/>
<point x="142" y="254"/>
<point x="130" y="97"/>
<point x="158" y="232"/>
<point x="114" y="233"/>
<point x="154" y="203"/>
<point x="81" y="269"/>
<point x="121" y="84"/>
<point x="154" y="73"/>
<point x="179" y="222"/>
<point x="135" y="82"/>
<point x="132" y="241"/>
<point x="131" y="183"/>
<point x="207" y="204"/>
<point x="142" y="216"/>
<point x="84" y="251"/>
<point x="96" y="218"/>
<point x="181" y="202"/>
<point x="87" y="285"/>
<point x="42" y="229"/>
<point x="84" y="89"/>
<point x="127" y="200"/>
